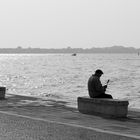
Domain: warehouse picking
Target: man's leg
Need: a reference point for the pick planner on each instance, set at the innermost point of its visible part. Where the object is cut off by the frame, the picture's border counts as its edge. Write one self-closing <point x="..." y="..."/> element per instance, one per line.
<point x="108" y="96"/>
<point x="105" y="96"/>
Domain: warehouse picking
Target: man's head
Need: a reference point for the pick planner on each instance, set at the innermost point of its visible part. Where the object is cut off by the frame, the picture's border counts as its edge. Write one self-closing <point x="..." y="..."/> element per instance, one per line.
<point x="98" y="72"/>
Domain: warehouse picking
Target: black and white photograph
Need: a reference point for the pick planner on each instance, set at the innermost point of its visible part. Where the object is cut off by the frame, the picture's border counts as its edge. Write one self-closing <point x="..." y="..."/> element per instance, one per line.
<point x="69" y="69"/>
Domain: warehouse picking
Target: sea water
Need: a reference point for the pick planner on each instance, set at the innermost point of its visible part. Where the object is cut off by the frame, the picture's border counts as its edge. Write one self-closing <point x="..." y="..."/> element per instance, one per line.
<point x="63" y="77"/>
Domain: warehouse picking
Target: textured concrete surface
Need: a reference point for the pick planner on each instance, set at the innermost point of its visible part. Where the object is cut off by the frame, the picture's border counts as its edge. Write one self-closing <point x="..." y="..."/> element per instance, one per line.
<point x="17" y="127"/>
<point x="28" y="118"/>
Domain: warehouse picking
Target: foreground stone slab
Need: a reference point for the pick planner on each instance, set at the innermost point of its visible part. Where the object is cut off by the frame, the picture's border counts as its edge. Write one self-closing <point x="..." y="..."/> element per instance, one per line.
<point x="101" y="106"/>
<point x="19" y="127"/>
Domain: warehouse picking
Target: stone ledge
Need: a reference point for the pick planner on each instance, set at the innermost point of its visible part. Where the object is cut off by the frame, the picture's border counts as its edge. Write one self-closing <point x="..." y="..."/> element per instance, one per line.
<point x="106" y="107"/>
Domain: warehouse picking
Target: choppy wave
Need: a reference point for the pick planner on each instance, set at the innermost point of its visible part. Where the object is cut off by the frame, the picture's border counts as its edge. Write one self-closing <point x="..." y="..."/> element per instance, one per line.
<point x="64" y="77"/>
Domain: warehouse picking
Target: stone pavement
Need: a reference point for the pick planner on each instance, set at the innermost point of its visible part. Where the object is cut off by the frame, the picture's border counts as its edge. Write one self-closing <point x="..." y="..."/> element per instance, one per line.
<point x="32" y="118"/>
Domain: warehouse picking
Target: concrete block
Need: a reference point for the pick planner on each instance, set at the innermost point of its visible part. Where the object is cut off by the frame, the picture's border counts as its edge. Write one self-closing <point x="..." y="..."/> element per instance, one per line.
<point x="102" y="106"/>
<point x="2" y="93"/>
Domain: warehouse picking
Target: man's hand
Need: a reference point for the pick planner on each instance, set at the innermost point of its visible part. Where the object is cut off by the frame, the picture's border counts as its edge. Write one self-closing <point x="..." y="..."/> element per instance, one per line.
<point x="105" y="86"/>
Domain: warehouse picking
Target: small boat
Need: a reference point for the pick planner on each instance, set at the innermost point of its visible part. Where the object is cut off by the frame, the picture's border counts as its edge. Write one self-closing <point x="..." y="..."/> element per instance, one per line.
<point x="74" y="54"/>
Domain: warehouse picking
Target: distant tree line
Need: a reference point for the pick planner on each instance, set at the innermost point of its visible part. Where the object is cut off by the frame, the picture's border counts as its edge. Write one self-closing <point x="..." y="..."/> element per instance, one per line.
<point x="113" y="49"/>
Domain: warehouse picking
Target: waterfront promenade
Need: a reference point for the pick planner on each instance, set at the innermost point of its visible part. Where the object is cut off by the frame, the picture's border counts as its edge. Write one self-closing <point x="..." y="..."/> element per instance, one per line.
<point x="29" y="118"/>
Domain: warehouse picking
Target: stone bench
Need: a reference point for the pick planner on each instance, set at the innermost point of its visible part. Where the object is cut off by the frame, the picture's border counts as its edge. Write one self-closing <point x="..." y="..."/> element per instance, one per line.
<point x="103" y="107"/>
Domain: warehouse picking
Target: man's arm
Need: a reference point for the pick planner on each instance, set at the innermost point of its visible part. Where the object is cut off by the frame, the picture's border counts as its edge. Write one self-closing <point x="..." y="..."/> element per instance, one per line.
<point x="99" y="88"/>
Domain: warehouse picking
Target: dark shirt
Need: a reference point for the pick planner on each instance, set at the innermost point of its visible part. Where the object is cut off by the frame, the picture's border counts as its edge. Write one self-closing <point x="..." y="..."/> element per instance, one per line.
<point x="95" y="87"/>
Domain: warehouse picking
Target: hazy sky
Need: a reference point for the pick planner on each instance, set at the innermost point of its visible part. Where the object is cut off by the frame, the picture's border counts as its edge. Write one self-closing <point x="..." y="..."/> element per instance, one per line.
<point x="75" y="23"/>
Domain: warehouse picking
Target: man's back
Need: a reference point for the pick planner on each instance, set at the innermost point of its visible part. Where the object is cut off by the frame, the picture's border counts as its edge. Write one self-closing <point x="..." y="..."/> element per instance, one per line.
<point x="95" y="87"/>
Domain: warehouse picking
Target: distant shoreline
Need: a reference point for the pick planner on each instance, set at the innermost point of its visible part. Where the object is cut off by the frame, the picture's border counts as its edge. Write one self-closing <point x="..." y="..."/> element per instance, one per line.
<point x="113" y="49"/>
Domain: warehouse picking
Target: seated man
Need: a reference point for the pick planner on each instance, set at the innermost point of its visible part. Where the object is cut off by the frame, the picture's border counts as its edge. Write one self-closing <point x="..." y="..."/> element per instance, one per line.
<point x="95" y="88"/>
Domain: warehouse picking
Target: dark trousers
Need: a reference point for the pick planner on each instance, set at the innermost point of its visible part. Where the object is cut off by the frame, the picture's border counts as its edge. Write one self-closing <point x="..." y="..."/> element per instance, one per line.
<point x="104" y="96"/>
